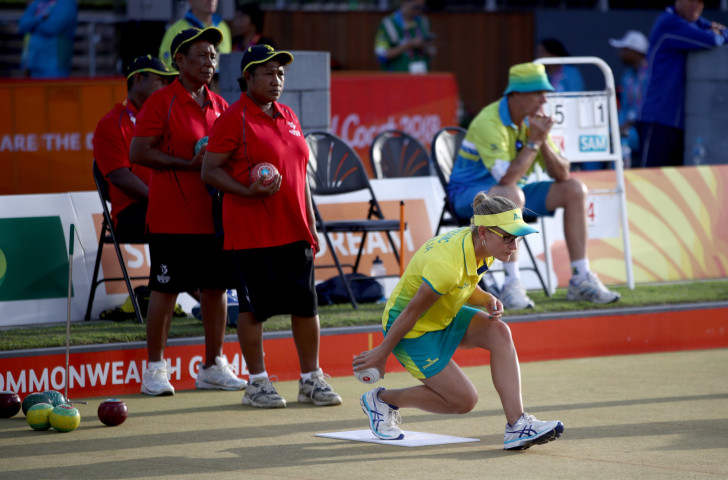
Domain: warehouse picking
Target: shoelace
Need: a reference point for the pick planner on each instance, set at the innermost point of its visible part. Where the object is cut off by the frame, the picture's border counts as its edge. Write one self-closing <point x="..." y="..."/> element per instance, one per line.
<point x="266" y="387"/>
<point x="320" y="383"/>
<point x="393" y="418"/>
<point x="159" y="374"/>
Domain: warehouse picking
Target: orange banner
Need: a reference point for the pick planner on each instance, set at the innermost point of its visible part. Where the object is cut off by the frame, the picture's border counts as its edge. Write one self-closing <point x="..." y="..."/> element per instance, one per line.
<point x="46" y="127"/>
<point x="46" y="130"/>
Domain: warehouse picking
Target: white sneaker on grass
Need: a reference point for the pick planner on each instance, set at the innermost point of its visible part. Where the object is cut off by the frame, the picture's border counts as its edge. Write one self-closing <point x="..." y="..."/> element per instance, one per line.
<point x="218" y="377"/>
<point x="592" y="290"/>
<point x="155" y="381"/>
<point x="513" y="296"/>
<point x="383" y="419"/>
<point x="262" y="394"/>
<point x="317" y="391"/>
<point x="528" y="431"/>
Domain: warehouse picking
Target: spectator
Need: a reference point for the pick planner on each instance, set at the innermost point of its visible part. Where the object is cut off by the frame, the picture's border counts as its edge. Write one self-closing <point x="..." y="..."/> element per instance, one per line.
<point x="200" y="15"/>
<point x="404" y="42"/>
<point x="503" y="144"/>
<point x="564" y="78"/>
<point x="632" y="51"/>
<point x="280" y="249"/>
<point x="248" y="27"/>
<point x="432" y="312"/>
<point x="128" y="183"/>
<point x="50" y="25"/>
<point x="186" y="254"/>
<point x="661" y="120"/>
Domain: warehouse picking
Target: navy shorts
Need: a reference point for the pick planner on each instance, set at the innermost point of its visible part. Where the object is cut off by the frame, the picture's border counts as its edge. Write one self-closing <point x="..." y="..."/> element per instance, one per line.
<point x="186" y="262"/>
<point x="279" y="280"/>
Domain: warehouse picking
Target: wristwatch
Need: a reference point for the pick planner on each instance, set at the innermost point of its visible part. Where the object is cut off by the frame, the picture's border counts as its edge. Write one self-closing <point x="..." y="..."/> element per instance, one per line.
<point x="532" y="146"/>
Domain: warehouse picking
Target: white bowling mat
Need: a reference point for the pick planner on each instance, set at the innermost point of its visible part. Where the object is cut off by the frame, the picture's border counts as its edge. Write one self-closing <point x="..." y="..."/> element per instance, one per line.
<point x="411" y="439"/>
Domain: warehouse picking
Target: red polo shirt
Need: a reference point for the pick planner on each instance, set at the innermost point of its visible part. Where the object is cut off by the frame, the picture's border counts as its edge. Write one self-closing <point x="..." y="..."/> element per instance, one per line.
<point x="178" y="199"/>
<point x="111" y="151"/>
<point x="251" y="137"/>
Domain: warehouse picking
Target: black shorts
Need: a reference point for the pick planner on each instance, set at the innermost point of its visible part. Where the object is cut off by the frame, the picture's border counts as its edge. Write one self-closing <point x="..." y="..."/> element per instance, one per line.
<point x="185" y="262"/>
<point x="131" y="224"/>
<point x="279" y="280"/>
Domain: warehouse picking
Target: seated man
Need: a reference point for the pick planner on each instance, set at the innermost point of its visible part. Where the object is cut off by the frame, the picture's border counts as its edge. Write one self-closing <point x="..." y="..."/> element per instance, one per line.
<point x="128" y="184"/>
<point x="502" y="145"/>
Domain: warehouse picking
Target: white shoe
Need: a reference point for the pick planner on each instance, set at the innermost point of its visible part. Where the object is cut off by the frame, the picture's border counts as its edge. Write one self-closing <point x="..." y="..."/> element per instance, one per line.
<point x="528" y="431"/>
<point x="262" y="394"/>
<point x="218" y="377"/>
<point x="155" y="381"/>
<point x="317" y="391"/>
<point x="383" y="419"/>
<point x="513" y="296"/>
<point x="592" y="290"/>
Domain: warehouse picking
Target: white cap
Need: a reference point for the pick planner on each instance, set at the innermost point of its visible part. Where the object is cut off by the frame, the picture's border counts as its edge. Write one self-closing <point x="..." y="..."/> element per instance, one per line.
<point x="633" y="40"/>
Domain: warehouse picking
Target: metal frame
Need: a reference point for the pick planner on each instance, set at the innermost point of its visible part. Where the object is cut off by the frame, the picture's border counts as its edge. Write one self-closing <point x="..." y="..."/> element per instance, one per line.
<point x="616" y="147"/>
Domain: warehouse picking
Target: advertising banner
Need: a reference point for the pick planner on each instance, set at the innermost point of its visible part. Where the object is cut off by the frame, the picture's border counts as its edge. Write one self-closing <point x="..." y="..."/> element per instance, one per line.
<point x="416" y="104"/>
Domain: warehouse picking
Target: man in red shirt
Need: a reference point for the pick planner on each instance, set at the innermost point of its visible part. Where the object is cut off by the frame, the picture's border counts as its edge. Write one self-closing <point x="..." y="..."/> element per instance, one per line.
<point x="128" y="184"/>
<point x="185" y="252"/>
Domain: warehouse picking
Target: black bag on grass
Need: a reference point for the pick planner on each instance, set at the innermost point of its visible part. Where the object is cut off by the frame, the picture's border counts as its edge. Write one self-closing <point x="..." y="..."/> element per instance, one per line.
<point x="364" y="288"/>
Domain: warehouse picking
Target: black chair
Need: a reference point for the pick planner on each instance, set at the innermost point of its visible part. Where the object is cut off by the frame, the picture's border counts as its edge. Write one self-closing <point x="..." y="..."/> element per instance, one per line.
<point x="445" y="147"/>
<point x="334" y="169"/>
<point x="397" y="154"/>
<point x="109" y="236"/>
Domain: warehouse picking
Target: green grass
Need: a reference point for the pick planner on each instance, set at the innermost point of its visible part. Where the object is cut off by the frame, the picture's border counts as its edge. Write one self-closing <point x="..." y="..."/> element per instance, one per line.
<point x="95" y="332"/>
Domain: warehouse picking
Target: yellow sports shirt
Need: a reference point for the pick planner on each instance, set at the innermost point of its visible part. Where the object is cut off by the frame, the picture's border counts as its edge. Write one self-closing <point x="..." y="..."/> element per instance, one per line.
<point x="447" y="264"/>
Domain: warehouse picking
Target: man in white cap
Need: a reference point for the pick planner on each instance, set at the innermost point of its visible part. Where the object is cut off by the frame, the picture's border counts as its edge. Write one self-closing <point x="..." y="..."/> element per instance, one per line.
<point x="633" y="53"/>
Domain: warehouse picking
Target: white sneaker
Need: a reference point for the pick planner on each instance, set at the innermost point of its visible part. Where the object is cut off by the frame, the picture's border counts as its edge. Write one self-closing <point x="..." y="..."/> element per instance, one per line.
<point x="513" y="296"/>
<point x="218" y="377"/>
<point x="592" y="290"/>
<point x="155" y="381"/>
<point x="317" y="391"/>
<point x="528" y="431"/>
<point x="383" y="419"/>
<point x="262" y="394"/>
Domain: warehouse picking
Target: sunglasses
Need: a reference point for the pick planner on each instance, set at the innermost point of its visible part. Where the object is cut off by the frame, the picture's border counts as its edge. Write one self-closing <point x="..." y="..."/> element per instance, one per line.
<point x="507" y="239"/>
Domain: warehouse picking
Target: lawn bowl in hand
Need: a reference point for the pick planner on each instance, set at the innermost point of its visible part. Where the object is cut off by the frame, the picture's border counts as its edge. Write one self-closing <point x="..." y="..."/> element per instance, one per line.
<point x="38" y="416"/>
<point x="368" y="375"/>
<point x="201" y="143"/>
<point x="34" y="398"/>
<point x="56" y="398"/>
<point x="266" y="170"/>
<point x="9" y="404"/>
<point x="112" y="412"/>
<point x="65" y="418"/>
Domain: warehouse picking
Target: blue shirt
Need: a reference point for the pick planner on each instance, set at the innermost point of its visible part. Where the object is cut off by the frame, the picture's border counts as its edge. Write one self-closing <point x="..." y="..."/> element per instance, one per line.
<point x="671" y="38"/>
<point x="51" y="25"/>
<point x="566" y="78"/>
<point x="631" y="87"/>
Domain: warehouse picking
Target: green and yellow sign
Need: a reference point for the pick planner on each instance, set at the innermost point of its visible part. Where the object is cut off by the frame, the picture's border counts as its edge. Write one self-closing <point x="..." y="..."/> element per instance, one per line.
<point x="33" y="259"/>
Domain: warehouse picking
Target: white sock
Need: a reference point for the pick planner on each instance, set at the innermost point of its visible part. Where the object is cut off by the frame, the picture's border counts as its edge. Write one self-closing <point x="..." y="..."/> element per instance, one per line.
<point x="579" y="270"/>
<point x="259" y="376"/>
<point x="512" y="272"/>
<point x="307" y="376"/>
<point x="157" y="365"/>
